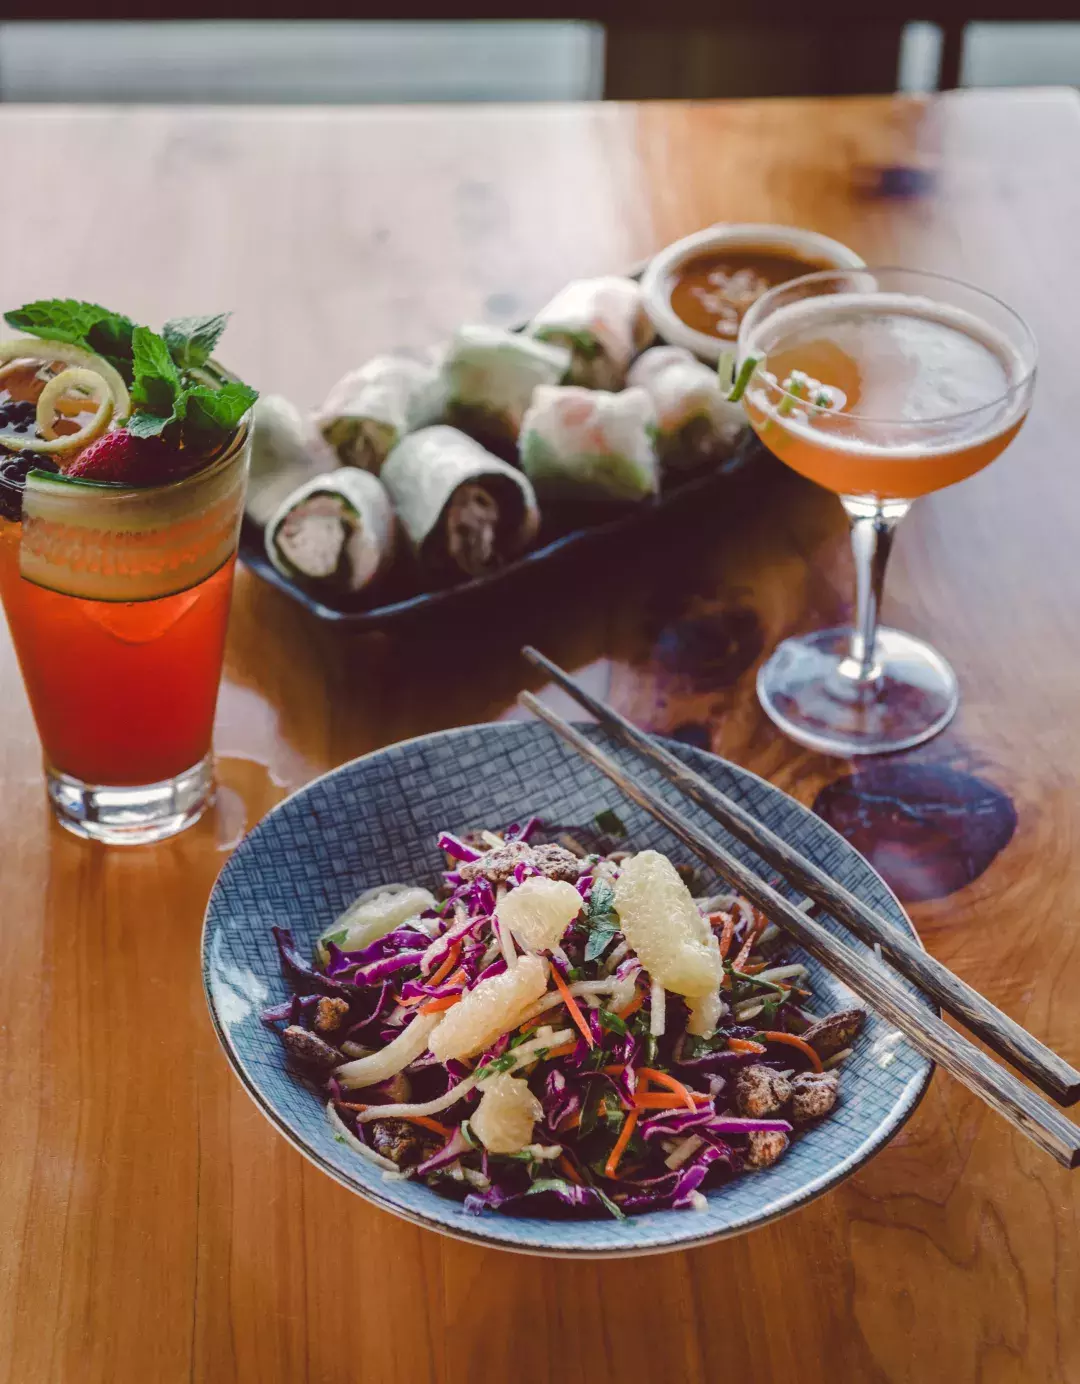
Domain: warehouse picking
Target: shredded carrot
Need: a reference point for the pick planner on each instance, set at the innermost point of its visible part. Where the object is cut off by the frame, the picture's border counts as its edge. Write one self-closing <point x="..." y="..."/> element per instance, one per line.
<point x="571" y="1122"/>
<point x="654" y="1100"/>
<point x="408" y="1004"/>
<point x="794" y="1041"/>
<point x="433" y="1006"/>
<point x="755" y="967"/>
<point x="757" y="927"/>
<point x="634" y="1005"/>
<point x="447" y="966"/>
<point x="727" y="932"/>
<point x="662" y="1079"/>
<point x="572" y="1004"/>
<point x="428" y="1123"/>
<point x="569" y="1171"/>
<point x="616" y="1069"/>
<point x="621" y="1142"/>
<point x="744" y="1045"/>
<point x="563" y="1050"/>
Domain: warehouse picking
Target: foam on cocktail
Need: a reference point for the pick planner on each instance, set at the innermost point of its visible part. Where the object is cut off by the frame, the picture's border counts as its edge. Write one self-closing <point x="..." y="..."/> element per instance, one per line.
<point x="922" y="378"/>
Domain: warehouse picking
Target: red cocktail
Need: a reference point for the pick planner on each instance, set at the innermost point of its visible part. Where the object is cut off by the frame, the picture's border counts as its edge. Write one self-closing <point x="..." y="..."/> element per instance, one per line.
<point x="117" y="591"/>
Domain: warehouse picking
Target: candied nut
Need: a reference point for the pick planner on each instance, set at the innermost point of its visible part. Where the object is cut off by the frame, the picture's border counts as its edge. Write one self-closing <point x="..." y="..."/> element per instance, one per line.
<point x="765" y="1147"/>
<point x="499" y="864"/>
<point x="813" y="1094"/>
<point x="760" y="1091"/>
<point x="330" y="1013"/>
<point x="308" y="1047"/>
<point x="835" y="1032"/>
<point x="403" y="1143"/>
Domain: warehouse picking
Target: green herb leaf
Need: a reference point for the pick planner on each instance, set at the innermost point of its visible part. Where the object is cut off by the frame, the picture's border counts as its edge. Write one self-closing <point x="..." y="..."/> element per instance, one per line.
<point x="88" y="325"/>
<point x="191" y="340"/>
<point x="590" y="1111"/>
<point x="611" y="1022"/>
<point x="548" y="1184"/>
<point x="146" y="424"/>
<point x="599" y="940"/>
<point x="601" y="901"/>
<point x="157" y="387"/>
<point x="211" y="415"/>
<point x="607" y="821"/>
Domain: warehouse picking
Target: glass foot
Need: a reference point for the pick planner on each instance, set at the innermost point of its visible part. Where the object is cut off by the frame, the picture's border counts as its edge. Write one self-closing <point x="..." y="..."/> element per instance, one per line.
<point x="809" y="688"/>
<point x="131" y="816"/>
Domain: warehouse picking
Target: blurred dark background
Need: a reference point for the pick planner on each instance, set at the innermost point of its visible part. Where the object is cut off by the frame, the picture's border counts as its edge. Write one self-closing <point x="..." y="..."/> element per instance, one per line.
<point x="165" y="53"/>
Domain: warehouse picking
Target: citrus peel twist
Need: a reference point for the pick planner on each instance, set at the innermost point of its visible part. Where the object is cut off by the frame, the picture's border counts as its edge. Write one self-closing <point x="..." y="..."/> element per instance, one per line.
<point x="88" y="372"/>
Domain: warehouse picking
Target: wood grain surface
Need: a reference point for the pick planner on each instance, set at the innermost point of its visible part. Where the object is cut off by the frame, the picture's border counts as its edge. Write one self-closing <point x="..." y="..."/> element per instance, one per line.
<point x="152" y="1226"/>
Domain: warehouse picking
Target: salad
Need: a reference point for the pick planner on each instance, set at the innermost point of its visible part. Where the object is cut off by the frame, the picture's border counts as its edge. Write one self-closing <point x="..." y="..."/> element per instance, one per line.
<point x="562" y="1026"/>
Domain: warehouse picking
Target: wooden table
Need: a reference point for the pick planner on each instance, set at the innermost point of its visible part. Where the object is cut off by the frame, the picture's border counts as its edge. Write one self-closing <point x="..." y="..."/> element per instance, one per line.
<point x="152" y="1226"/>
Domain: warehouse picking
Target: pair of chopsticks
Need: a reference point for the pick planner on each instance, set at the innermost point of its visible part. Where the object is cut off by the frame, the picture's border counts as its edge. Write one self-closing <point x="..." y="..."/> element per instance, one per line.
<point x="1043" y="1124"/>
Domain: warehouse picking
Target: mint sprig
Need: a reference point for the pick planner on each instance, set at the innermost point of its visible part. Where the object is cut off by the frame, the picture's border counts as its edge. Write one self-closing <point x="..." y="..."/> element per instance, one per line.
<point x="191" y="340"/>
<point x="168" y="399"/>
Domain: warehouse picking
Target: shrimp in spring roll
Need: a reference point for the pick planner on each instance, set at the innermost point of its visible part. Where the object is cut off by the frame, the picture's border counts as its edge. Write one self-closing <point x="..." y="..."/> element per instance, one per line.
<point x="465" y="511"/>
<point x="602" y="323"/>
<point x="696" y="425"/>
<point x="585" y="444"/>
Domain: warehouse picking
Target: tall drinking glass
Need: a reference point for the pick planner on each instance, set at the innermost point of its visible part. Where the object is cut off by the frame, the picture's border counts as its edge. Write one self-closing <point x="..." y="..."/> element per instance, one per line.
<point x="881" y="385"/>
<point x="117" y="599"/>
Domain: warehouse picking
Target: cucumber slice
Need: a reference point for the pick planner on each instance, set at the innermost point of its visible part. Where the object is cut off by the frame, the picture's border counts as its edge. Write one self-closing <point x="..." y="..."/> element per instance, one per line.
<point x="105" y="542"/>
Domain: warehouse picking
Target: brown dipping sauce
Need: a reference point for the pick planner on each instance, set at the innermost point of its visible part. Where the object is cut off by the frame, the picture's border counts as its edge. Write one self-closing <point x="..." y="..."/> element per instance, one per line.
<point x="712" y="291"/>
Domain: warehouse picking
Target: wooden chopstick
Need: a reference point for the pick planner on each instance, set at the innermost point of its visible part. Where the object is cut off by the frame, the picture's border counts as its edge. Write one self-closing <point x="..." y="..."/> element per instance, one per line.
<point x="1007" y="1038"/>
<point x="1024" y="1108"/>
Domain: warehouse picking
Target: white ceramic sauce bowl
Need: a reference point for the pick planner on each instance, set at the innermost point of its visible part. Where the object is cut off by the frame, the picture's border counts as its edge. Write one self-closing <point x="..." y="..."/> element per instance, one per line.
<point x="819" y="251"/>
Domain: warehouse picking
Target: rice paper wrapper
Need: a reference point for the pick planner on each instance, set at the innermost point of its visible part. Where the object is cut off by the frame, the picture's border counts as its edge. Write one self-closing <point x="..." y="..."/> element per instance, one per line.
<point x="370" y="410"/>
<point x="696" y="425"/>
<point x="464" y="511"/>
<point x="603" y="323"/>
<point x="487" y="378"/>
<point x="285" y="452"/>
<point x="335" y="533"/>
<point x="585" y="444"/>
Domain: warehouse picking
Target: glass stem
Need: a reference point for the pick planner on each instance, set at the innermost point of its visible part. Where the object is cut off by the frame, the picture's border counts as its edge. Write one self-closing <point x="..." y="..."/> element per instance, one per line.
<point x="873" y="523"/>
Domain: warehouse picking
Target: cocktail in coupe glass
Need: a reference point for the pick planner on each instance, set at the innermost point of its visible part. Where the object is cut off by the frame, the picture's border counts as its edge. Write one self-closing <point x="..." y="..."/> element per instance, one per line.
<point x="116" y="571"/>
<point x="881" y="385"/>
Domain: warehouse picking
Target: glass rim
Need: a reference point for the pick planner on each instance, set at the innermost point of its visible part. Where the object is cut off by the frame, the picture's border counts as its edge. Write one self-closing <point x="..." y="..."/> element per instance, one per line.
<point x="117" y="491"/>
<point x="821" y="274"/>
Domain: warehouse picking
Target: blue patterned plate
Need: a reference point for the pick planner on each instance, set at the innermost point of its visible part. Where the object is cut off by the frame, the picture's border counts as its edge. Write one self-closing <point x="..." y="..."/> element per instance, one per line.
<point x="376" y="820"/>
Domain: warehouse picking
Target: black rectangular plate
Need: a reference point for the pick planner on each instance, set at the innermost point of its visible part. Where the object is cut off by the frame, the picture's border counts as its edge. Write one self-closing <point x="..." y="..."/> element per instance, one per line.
<point x="404" y="606"/>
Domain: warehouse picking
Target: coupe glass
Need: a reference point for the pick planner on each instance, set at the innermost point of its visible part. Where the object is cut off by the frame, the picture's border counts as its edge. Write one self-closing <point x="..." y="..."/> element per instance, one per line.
<point x="910" y="382"/>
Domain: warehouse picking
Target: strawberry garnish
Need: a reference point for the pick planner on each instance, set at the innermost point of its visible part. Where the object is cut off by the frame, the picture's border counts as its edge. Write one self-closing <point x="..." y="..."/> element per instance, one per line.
<point x="123" y="458"/>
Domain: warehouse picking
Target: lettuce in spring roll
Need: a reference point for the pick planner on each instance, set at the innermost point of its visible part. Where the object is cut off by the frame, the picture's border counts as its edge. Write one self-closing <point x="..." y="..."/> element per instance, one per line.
<point x="603" y="324"/>
<point x="586" y="444"/>
<point x="696" y="425"/>
<point x="370" y="410"/>
<point x="487" y="378"/>
<point x="465" y="511"/>
<point x="335" y="533"/>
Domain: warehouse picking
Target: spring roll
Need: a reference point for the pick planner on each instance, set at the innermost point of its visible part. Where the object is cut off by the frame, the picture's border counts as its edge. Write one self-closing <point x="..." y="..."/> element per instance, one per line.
<point x="465" y="511"/>
<point x="487" y="378"/>
<point x="370" y="410"/>
<point x="602" y="323"/>
<point x="586" y="444"/>
<point x="334" y="534"/>
<point x="285" y="452"/>
<point x="696" y="426"/>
